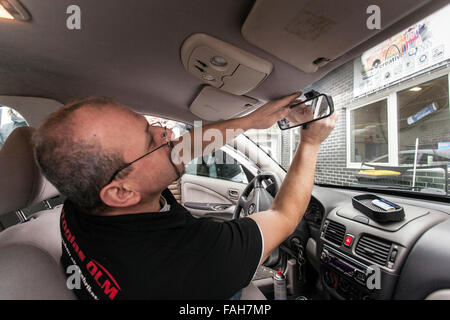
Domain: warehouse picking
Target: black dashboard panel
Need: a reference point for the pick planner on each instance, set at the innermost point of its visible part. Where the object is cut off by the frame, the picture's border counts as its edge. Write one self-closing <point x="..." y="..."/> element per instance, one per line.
<point x="380" y="251"/>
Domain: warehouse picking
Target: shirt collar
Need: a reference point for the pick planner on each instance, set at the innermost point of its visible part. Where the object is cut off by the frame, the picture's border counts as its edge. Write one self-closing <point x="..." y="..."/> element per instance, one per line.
<point x="164" y="205"/>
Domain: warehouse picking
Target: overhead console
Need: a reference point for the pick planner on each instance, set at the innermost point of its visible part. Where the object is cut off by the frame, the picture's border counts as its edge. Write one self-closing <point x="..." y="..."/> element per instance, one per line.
<point x="213" y="104"/>
<point x="228" y="72"/>
<point x="361" y="258"/>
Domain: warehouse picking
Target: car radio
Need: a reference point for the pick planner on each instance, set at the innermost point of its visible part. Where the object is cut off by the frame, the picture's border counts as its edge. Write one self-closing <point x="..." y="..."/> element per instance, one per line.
<point x="346" y="265"/>
<point x="344" y="275"/>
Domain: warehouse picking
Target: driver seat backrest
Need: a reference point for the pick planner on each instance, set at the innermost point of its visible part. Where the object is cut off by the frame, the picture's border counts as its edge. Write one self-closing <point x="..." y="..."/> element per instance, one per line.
<point x="29" y="252"/>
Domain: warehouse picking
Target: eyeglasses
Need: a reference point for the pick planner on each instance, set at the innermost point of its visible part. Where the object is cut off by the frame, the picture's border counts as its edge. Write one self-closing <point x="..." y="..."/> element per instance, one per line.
<point x="126" y="165"/>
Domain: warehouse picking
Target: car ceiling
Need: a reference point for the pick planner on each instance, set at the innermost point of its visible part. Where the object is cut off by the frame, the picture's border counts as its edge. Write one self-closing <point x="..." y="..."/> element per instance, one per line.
<point x="130" y="51"/>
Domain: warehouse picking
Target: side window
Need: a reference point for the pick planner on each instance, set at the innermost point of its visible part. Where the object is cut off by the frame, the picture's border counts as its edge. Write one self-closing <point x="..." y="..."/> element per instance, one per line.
<point x="10" y="119"/>
<point x="218" y="165"/>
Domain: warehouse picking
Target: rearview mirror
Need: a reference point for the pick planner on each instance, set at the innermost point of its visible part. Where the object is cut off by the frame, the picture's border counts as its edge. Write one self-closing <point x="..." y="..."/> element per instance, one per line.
<point x="317" y="106"/>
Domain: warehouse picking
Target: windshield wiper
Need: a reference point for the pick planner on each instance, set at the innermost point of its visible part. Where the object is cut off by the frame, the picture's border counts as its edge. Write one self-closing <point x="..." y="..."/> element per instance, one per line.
<point x="399" y="187"/>
<point x="377" y="186"/>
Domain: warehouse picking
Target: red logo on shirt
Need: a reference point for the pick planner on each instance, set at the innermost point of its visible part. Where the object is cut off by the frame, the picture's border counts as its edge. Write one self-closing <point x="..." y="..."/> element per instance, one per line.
<point x="103" y="278"/>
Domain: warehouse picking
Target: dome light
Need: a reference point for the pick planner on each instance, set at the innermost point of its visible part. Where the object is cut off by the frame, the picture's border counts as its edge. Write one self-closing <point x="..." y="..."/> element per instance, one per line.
<point x="218" y="61"/>
<point x="12" y="9"/>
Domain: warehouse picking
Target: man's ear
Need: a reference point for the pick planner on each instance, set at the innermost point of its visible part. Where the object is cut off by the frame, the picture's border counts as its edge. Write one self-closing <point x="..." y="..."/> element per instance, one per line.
<point x="117" y="194"/>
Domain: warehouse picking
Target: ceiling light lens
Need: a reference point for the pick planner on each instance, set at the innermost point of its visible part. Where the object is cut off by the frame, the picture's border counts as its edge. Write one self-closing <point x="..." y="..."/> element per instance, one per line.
<point x="218" y="61"/>
<point x="415" y="89"/>
<point x="13" y="10"/>
<point x="208" y="77"/>
<point x="4" y="13"/>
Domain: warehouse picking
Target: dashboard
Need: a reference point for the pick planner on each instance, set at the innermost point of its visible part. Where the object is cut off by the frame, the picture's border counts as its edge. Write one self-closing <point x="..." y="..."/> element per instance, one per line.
<point x="359" y="258"/>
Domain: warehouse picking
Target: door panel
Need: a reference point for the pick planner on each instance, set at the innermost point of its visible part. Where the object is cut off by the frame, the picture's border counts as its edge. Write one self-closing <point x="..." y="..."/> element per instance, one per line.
<point x="210" y="197"/>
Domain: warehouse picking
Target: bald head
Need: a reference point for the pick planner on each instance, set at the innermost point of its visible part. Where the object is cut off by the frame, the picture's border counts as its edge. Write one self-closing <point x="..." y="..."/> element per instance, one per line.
<point x="72" y="150"/>
<point x="80" y="118"/>
<point x="81" y="147"/>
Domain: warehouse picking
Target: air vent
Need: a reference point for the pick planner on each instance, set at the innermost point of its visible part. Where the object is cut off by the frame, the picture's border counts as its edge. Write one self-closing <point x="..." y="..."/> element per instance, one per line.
<point x="375" y="250"/>
<point x="334" y="232"/>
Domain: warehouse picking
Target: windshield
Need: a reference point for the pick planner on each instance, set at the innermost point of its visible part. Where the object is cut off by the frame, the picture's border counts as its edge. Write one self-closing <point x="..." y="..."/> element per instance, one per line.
<point x="394" y="116"/>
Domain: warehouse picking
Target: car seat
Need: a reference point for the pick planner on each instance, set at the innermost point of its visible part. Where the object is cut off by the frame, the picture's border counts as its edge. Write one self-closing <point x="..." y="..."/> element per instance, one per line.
<point x="29" y="251"/>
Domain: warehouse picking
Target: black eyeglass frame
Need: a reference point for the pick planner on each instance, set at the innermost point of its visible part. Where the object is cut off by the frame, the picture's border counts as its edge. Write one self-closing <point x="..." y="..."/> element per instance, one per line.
<point x="126" y="165"/>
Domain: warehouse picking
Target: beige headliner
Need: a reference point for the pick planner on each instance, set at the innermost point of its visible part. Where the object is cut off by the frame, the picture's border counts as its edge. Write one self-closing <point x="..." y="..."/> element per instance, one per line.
<point x="130" y="50"/>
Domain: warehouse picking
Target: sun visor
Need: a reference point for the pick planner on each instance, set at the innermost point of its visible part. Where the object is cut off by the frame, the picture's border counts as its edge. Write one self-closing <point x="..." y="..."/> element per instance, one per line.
<point x="309" y="33"/>
<point x="213" y="104"/>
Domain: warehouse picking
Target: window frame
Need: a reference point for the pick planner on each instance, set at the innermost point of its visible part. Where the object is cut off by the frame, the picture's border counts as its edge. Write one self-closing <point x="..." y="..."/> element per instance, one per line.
<point x="390" y="95"/>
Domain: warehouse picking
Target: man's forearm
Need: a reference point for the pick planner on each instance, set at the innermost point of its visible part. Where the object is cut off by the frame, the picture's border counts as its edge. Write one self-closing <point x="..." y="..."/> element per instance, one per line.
<point x="293" y="197"/>
<point x="211" y="137"/>
<point x="229" y="129"/>
<point x="215" y="135"/>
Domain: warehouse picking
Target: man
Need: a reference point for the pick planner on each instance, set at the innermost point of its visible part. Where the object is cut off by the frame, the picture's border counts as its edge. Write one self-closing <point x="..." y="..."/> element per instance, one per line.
<point x="123" y="228"/>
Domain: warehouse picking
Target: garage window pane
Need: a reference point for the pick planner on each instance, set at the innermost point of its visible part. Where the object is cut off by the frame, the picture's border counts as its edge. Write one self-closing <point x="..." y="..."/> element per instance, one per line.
<point x="369" y="133"/>
<point x="423" y="113"/>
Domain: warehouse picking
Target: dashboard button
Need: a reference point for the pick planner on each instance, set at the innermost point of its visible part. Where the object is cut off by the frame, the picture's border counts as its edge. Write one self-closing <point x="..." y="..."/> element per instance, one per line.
<point x="393" y="255"/>
<point x="348" y="240"/>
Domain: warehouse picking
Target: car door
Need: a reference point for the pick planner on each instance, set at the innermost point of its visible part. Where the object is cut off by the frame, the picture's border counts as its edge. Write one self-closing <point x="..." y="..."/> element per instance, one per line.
<point x="211" y="185"/>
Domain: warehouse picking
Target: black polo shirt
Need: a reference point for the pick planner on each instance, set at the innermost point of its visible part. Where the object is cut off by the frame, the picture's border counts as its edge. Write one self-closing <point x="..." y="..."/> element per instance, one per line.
<point x="159" y="255"/>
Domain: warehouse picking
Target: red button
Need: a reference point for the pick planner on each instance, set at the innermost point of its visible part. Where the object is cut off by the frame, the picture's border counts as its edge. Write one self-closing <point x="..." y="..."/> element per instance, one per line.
<point x="348" y="240"/>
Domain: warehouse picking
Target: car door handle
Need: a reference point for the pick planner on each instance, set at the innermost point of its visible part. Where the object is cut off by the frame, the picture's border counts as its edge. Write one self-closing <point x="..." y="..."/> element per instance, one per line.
<point x="207" y="206"/>
<point x="233" y="194"/>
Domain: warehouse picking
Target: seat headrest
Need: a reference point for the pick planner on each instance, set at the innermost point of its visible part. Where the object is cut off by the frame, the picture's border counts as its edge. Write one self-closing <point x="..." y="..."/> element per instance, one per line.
<point x="21" y="182"/>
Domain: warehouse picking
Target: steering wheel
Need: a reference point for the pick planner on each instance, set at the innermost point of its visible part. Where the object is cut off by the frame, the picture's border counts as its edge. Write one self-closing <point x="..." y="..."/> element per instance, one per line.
<point x="259" y="200"/>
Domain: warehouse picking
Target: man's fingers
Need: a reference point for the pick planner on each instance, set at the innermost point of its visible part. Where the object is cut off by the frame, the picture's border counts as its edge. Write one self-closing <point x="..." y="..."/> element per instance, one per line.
<point x="283" y="112"/>
<point x="293" y="96"/>
<point x="288" y="99"/>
